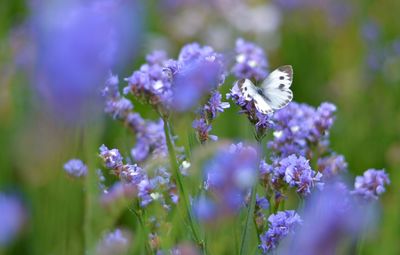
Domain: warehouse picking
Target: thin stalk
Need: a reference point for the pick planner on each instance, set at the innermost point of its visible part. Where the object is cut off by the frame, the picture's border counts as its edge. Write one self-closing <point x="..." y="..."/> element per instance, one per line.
<point x="178" y="177"/>
<point x="249" y="216"/>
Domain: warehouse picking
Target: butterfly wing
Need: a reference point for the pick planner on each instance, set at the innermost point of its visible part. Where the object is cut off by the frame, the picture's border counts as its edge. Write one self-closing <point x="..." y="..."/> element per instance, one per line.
<point x="251" y="92"/>
<point x="276" y="87"/>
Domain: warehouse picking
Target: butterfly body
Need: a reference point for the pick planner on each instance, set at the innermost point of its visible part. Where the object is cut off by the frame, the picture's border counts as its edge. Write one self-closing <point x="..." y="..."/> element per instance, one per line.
<point x="274" y="92"/>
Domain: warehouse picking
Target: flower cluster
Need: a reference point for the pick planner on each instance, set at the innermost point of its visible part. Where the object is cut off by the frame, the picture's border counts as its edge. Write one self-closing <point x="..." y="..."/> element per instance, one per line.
<point x="251" y="64"/>
<point x="228" y="177"/>
<point x="301" y="129"/>
<point x="178" y="84"/>
<point x="234" y="181"/>
<point x="207" y="114"/>
<point x="372" y="184"/>
<point x="251" y="61"/>
<point x="292" y="170"/>
<point x="280" y="224"/>
<point x="331" y="217"/>
<point x="148" y="188"/>
<point x="150" y="138"/>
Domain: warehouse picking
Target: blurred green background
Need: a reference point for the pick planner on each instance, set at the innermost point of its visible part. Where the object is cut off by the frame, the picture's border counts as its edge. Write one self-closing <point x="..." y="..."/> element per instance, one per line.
<point x="335" y="58"/>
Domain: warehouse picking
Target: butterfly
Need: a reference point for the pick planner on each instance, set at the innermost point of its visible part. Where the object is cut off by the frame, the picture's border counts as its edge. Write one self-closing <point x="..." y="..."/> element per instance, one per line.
<point x="274" y="92"/>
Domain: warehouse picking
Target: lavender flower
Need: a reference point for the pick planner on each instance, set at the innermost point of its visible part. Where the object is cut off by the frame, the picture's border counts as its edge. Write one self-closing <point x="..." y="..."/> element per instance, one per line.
<point x="119" y="107"/>
<point x="331" y="218"/>
<point x="12" y="218"/>
<point x="203" y="130"/>
<point x="215" y="105"/>
<point x="261" y="121"/>
<point x="76" y="49"/>
<point x="150" y="141"/>
<point x="112" y="158"/>
<point x="229" y="175"/>
<point x="76" y="168"/>
<point x="117" y="192"/>
<point x="178" y="84"/>
<point x="152" y="82"/>
<point x="201" y="72"/>
<point x="300" y="127"/>
<point x="372" y="184"/>
<point x="299" y="174"/>
<point x="280" y="226"/>
<point x="204" y="209"/>
<point x="251" y="62"/>
<point x="116" y="242"/>
<point x="332" y="165"/>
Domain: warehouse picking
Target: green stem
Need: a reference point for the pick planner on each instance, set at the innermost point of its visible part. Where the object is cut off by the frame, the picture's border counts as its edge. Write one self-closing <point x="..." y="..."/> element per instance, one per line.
<point x="178" y="178"/>
<point x="249" y="216"/>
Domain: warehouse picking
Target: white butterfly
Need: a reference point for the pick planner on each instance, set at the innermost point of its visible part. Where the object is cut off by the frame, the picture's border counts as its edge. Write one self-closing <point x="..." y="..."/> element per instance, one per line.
<point x="273" y="94"/>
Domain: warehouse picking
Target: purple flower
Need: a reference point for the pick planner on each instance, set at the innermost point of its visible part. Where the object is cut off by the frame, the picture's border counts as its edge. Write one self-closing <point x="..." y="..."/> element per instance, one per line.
<point x="112" y="158"/>
<point x="330" y="219"/>
<point x="75" y="50"/>
<point x="229" y="175"/>
<point x="132" y="174"/>
<point x="280" y="225"/>
<point x="150" y="141"/>
<point x="12" y="218"/>
<point x="332" y="165"/>
<point x="370" y="31"/>
<point x="203" y="130"/>
<point x="116" y="242"/>
<point x="75" y="168"/>
<point x="262" y="203"/>
<point x="194" y="81"/>
<point x="299" y="126"/>
<point x="372" y="184"/>
<point x="119" y="107"/>
<point x="118" y="191"/>
<point x="204" y="209"/>
<point x="299" y="174"/>
<point x="177" y="84"/>
<point x="259" y="120"/>
<point x="251" y="62"/>
<point x="215" y="105"/>
<point x="152" y="82"/>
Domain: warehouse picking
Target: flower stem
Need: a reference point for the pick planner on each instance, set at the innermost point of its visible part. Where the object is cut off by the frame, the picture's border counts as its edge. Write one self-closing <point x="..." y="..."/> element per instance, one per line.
<point x="249" y="219"/>
<point x="178" y="178"/>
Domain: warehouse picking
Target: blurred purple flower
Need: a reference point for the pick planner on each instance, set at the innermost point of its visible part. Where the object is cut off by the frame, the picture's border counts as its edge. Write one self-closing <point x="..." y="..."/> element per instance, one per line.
<point x="12" y="218"/>
<point x="331" y="218"/>
<point x="117" y="192"/>
<point x="116" y="242"/>
<point x="332" y="165"/>
<point x="194" y="81"/>
<point x="77" y="43"/>
<point x="76" y="168"/>
<point x="150" y="141"/>
<point x="280" y="225"/>
<point x="370" y="31"/>
<point x="372" y="184"/>
<point x="204" y="209"/>
<point x="229" y="175"/>
<point x="251" y="61"/>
